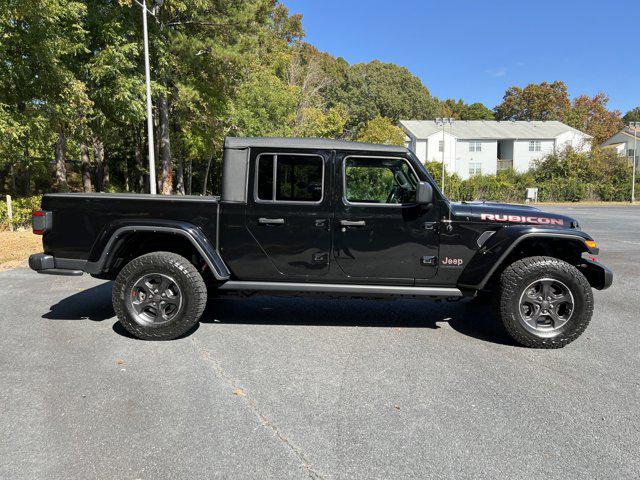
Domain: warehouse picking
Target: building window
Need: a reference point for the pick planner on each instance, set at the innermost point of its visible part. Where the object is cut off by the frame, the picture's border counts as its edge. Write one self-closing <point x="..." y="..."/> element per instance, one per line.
<point x="630" y="152"/>
<point x="298" y="178"/>
<point x="475" y="168"/>
<point x="535" y="145"/>
<point x="441" y="146"/>
<point x="475" y="146"/>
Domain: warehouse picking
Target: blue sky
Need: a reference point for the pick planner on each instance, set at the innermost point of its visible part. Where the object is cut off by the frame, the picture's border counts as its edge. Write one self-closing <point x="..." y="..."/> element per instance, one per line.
<point x="476" y="49"/>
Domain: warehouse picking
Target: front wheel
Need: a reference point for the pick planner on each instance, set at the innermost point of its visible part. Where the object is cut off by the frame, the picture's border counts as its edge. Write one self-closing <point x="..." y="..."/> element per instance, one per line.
<point x="544" y="302"/>
<point x="159" y="296"/>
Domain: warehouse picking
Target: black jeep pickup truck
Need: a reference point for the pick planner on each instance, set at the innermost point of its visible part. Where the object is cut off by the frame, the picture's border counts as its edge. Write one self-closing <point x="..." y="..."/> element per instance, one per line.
<point x="328" y="218"/>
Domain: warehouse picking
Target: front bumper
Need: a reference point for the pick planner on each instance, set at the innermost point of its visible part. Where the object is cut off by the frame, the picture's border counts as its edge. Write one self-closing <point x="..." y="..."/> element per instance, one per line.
<point x="44" y="263"/>
<point x="599" y="276"/>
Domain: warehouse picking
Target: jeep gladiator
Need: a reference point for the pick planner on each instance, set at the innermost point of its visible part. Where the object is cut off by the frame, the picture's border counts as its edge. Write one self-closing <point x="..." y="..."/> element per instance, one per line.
<point x="322" y="217"/>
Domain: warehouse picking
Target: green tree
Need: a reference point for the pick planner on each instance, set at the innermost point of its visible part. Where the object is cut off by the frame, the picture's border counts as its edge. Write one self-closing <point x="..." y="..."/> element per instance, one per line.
<point x="461" y="111"/>
<point x="381" y="130"/>
<point x="38" y="82"/>
<point x="632" y="115"/>
<point x="383" y="89"/>
<point x="315" y="122"/>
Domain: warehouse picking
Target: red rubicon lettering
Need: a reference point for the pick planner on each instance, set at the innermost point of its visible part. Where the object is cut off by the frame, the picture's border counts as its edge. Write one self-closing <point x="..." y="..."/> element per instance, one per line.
<point x="520" y="219"/>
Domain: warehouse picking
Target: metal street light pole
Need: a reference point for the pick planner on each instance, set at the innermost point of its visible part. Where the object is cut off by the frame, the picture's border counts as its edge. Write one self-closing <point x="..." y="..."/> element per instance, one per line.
<point x="147" y="74"/>
<point x="443" y="121"/>
<point x="635" y="156"/>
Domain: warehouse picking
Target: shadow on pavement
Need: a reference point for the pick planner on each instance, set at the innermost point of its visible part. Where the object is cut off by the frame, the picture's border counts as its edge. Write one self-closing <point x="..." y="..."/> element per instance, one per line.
<point x="91" y="304"/>
<point x="465" y="317"/>
<point x="120" y="330"/>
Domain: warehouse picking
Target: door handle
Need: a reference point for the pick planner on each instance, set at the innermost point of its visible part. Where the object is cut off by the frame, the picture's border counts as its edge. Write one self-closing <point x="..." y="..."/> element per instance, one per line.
<point x="429" y="225"/>
<point x="352" y="223"/>
<point x="270" y="221"/>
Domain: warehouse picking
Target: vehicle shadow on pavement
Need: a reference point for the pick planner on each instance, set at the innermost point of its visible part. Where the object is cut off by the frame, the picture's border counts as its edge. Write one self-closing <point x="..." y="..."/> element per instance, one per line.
<point x="465" y="317"/>
<point x="91" y="304"/>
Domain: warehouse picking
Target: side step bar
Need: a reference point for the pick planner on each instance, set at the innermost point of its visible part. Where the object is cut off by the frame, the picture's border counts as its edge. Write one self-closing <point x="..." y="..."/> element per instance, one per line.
<point x="342" y="288"/>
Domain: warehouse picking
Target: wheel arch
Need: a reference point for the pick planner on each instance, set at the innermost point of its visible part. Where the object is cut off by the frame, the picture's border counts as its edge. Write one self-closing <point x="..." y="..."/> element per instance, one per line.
<point x="506" y="247"/>
<point x="120" y="243"/>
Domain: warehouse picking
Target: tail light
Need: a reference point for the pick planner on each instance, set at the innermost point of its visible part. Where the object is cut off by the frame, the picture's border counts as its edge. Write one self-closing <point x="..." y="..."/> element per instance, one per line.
<point x="41" y="222"/>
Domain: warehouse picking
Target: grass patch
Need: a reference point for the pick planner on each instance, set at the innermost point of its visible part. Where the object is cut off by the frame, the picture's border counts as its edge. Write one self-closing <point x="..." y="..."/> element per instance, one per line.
<point x="15" y="248"/>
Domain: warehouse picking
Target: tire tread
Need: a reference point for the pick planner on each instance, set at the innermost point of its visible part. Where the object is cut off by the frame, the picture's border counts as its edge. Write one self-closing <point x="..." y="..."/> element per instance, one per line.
<point x="197" y="294"/>
<point x="510" y="280"/>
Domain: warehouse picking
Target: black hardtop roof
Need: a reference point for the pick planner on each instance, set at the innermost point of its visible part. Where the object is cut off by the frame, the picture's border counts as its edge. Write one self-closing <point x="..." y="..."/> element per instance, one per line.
<point x="310" y="143"/>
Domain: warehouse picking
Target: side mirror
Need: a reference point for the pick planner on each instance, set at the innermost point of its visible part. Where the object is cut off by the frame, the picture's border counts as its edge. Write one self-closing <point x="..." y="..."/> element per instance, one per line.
<point x="424" y="193"/>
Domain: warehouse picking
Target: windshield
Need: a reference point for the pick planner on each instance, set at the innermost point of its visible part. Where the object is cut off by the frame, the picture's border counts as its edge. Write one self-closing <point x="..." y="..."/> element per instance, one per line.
<point x="418" y="163"/>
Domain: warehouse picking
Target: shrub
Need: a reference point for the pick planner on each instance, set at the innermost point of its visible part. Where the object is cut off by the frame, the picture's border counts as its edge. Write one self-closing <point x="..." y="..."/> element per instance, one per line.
<point x="567" y="176"/>
<point x="22" y="210"/>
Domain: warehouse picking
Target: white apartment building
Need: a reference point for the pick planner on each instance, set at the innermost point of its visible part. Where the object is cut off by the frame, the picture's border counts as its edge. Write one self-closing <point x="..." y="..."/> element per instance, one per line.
<point x="625" y="143"/>
<point x="474" y="147"/>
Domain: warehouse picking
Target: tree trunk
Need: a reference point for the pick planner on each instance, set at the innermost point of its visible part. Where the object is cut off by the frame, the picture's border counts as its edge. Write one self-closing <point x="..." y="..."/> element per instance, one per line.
<point x="127" y="170"/>
<point x="6" y="174"/>
<point x="26" y="186"/>
<point x="106" y="179"/>
<point x="61" y="165"/>
<point x="190" y="177"/>
<point x="206" y="176"/>
<point x="99" y="172"/>
<point x="180" y="174"/>
<point x="23" y="186"/>
<point x="12" y="173"/>
<point x="86" y="167"/>
<point x="165" y="147"/>
<point x="156" y="146"/>
<point x="102" y="167"/>
<point x="140" y="176"/>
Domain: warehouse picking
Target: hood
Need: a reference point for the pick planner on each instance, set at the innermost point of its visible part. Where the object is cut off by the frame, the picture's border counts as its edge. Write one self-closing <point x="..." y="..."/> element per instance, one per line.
<point x="506" y="213"/>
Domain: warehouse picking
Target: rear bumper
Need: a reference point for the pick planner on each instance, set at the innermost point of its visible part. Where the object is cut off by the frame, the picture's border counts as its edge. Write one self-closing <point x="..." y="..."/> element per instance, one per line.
<point x="599" y="276"/>
<point x="44" y="263"/>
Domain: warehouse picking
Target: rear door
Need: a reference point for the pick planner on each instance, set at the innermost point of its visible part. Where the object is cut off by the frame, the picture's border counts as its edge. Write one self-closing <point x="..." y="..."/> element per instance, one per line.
<point x="381" y="234"/>
<point x="289" y="212"/>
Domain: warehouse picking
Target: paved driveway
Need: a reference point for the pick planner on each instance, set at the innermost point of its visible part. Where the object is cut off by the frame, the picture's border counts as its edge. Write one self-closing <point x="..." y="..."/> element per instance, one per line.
<point x="279" y="388"/>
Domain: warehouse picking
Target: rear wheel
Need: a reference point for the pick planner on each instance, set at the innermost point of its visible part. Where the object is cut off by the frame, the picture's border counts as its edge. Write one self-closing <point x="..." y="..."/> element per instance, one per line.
<point x="159" y="296"/>
<point x="544" y="302"/>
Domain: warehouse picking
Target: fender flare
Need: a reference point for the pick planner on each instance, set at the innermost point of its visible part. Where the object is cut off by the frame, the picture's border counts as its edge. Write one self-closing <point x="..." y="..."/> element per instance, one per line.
<point x="498" y="247"/>
<point x="191" y="232"/>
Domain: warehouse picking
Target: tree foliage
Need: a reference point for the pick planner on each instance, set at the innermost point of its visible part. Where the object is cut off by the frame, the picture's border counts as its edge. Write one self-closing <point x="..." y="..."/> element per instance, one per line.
<point x="381" y="130"/>
<point x="550" y="101"/>
<point x="462" y="111"/>
<point x="72" y="93"/>
<point x="543" y="101"/>
<point x="383" y="89"/>
<point x="590" y="115"/>
<point x="632" y="115"/>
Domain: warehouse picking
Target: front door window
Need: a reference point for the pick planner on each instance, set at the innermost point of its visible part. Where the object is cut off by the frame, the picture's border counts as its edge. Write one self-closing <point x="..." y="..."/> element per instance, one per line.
<point x="379" y="181"/>
<point x="381" y="234"/>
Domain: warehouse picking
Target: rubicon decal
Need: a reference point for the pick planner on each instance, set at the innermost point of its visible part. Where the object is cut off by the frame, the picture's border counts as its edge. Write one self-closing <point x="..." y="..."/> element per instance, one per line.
<point x="521" y="219"/>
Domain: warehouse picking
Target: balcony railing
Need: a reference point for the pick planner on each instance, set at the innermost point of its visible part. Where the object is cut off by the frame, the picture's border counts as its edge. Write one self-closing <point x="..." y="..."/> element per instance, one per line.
<point x="505" y="164"/>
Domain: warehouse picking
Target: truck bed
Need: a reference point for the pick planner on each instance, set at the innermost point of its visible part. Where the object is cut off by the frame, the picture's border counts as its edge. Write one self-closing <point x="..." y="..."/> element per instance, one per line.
<point x="81" y="222"/>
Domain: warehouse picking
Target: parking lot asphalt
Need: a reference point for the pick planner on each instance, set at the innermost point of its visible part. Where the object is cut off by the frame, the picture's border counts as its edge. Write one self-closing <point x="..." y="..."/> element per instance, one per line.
<point x="295" y="388"/>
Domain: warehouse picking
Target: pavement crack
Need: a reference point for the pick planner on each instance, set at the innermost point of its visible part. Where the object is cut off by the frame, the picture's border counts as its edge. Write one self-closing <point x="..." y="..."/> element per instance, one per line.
<point x="252" y="405"/>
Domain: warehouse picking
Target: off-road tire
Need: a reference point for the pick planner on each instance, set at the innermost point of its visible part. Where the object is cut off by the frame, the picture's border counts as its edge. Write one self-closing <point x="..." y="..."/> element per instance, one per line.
<point x="192" y="287"/>
<point x="515" y="279"/>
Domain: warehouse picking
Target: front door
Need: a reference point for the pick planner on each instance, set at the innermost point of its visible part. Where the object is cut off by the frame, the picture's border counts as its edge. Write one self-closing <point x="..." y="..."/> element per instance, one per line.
<point x="380" y="233"/>
<point x="289" y="215"/>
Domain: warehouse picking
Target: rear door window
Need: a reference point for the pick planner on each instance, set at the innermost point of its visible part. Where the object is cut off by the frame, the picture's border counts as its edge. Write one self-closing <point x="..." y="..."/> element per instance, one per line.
<point x="289" y="178"/>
